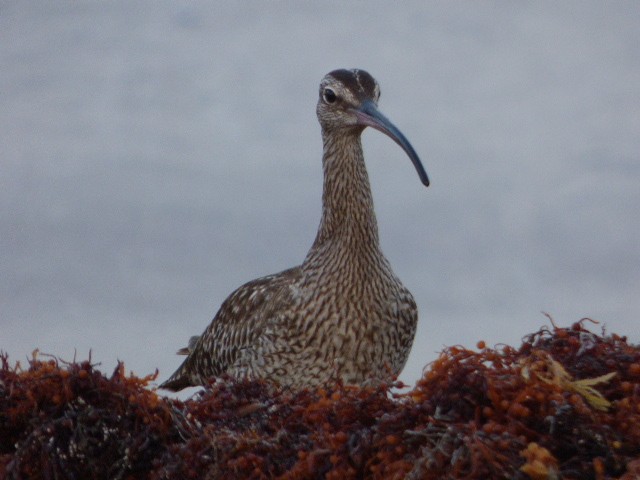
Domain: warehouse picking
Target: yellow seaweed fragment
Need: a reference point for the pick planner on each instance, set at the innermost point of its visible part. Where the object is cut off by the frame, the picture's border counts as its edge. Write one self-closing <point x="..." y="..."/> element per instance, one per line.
<point x="551" y="371"/>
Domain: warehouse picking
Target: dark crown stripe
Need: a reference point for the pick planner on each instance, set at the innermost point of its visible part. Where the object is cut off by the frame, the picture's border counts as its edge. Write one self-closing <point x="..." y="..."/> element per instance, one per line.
<point x="357" y="81"/>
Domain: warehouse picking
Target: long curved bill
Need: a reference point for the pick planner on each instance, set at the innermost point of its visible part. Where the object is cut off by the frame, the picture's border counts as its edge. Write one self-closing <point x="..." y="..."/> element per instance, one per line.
<point x="369" y="115"/>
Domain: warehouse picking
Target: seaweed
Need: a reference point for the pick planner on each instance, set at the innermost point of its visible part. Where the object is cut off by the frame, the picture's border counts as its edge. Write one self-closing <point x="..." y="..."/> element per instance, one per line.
<point x="565" y="404"/>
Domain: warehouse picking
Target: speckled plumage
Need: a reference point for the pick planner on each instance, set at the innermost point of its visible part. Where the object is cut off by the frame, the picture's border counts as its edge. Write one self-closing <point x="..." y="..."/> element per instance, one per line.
<point x="342" y="313"/>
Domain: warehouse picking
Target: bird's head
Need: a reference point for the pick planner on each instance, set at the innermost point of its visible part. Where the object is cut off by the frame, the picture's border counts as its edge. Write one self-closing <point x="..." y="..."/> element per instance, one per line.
<point x="348" y="102"/>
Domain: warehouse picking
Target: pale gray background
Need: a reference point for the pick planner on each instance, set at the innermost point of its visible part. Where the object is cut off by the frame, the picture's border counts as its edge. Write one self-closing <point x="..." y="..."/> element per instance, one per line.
<point x="155" y="155"/>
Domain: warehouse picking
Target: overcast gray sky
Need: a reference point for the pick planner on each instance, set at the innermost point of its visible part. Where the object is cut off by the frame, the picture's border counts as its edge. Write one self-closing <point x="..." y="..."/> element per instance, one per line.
<point x="156" y="155"/>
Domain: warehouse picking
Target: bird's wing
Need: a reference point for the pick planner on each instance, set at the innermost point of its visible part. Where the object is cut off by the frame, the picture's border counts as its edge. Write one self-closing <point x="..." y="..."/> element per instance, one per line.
<point x="238" y="325"/>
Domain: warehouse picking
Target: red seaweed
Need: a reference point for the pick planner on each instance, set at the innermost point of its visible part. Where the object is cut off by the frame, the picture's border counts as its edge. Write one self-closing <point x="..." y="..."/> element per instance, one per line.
<point x="565" y="404"/>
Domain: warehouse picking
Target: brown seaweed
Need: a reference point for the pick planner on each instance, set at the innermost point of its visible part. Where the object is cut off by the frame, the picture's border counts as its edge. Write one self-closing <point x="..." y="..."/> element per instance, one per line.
<point x="565" y="404"/>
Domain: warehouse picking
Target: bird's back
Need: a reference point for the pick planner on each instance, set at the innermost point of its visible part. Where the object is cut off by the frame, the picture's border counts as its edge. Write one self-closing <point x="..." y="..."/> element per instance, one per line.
<point x="303" y="328"/>
<point x="229" y="344"/>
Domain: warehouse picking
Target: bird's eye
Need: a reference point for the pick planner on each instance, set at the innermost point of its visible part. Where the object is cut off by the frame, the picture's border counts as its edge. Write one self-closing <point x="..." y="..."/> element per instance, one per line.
<point x="329" y="95"/>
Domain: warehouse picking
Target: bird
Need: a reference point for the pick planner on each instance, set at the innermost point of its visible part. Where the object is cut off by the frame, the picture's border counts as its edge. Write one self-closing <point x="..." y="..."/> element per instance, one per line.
<point x="342" y="315"/>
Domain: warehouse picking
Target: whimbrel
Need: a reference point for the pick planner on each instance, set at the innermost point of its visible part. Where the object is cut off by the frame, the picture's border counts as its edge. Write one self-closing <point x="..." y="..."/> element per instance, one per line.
<point x="341" y="314"/>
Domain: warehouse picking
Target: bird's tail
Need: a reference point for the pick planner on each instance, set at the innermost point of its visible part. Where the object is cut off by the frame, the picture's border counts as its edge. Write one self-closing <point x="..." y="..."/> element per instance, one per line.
<point x="176" y="382"/>
<point x="179" y="380"/>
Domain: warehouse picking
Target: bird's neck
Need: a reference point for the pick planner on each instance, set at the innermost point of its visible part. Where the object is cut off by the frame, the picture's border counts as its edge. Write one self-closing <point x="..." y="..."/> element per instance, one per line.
<point x="348" y="220"/>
